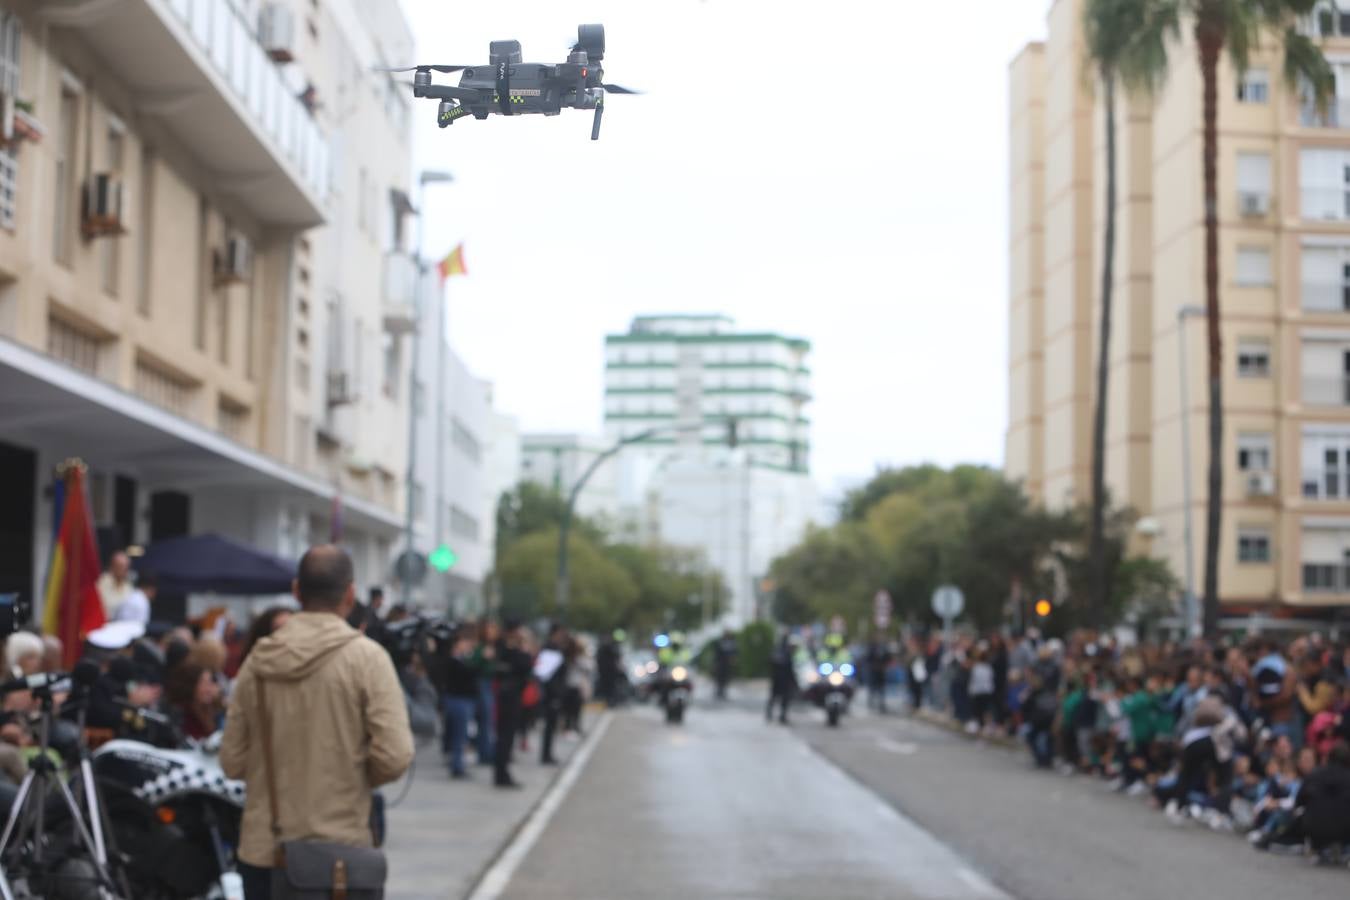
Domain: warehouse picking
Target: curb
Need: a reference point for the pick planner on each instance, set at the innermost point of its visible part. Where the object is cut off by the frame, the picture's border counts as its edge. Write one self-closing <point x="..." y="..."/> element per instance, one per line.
<point x="944" y="721"/>
<point x="480" y="877"/>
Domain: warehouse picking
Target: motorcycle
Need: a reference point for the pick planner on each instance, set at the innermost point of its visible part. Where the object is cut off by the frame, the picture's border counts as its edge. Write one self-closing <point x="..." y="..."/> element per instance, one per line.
<point x="676" y="689"/>
<point x="831" y="688"/>
<point x="175" y="818"/>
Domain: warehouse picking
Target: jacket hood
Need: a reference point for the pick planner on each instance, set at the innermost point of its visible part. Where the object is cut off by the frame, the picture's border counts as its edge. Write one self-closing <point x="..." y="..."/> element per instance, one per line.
<point x="301" y="646"/>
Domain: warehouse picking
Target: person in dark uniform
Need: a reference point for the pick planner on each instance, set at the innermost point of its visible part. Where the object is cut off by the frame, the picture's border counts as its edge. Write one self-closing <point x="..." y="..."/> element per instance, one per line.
<point x="878" y="661"/>
<point x="782" y="680"/>
<point x="724" y="662"/>
<point x="512" y="671"/>
<point x="553" y="689"/>
<point x="609" y="669"/>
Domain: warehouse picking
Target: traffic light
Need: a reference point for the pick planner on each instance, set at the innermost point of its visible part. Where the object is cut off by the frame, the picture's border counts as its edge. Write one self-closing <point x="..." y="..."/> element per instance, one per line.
<point x="1043" y="608"/>
<point x="442" y="559"/>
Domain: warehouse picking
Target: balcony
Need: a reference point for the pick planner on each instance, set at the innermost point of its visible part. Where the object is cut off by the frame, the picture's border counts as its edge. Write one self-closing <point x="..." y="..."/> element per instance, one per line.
<point x="1326" y="390"/>
<point x="1328" y="483"/>
<point x="1326" y="578"/>
<point x="1336" y="115"/>
<point x="400" y="293"/>
<point x="196" y="66"/>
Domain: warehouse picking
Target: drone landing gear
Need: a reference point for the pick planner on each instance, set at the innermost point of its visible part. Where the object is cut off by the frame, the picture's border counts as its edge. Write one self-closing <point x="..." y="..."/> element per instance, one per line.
<point x="595" y="123"/>
<point x="448" y="113"/>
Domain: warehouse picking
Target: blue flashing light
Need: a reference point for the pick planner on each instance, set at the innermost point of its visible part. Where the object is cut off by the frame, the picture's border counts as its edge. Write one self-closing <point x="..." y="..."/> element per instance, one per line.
<point x="662" y="641"/>
<point x="826" y="668"/>
<point x="846" y="670"/>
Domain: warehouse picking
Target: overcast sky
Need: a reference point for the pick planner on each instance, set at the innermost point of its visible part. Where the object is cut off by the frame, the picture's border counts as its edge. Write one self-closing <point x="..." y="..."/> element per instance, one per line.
<point x="831" y="171"/>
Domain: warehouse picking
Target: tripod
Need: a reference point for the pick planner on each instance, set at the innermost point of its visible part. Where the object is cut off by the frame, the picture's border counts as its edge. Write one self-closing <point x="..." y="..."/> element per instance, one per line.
<point x="24" y="842"/>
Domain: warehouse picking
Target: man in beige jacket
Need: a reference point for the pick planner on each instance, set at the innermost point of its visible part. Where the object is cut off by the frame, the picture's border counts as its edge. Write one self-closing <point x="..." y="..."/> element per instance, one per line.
<point x="338" y="719"/>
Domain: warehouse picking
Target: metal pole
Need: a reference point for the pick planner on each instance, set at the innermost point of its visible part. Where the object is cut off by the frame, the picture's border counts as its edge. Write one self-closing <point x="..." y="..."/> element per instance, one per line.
<point x="406" y="574"/>
<point x="441" y="401"/>
<point x="1189" y="598"/>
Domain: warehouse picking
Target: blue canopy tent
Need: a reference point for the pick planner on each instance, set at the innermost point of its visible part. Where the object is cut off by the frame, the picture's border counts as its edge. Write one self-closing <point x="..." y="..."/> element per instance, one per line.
<point x="211" y="564"/>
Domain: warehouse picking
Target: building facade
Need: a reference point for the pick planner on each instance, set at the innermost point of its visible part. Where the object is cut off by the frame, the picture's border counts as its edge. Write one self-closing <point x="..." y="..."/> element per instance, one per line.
<point x="200" y="203"/>
<point x="726" y="467"/>
<point x="1284" y="211"/>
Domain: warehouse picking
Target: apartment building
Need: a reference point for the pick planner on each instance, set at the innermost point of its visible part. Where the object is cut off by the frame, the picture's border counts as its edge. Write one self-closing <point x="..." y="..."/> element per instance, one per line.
<point x="203" y="206"/>
<point x="1284" y="210"/>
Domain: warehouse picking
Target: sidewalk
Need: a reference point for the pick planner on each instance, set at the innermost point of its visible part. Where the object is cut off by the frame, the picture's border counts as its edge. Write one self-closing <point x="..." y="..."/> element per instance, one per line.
<point x="445" y="834"/>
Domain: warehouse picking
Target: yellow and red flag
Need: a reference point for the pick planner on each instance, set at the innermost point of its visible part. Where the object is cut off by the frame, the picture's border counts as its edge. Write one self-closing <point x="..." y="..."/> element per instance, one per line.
<point x="453" y="264"/>
<point x="73" y="607"/>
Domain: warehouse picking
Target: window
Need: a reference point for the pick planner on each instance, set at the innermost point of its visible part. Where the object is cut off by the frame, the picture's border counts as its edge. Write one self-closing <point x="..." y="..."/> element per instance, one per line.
<point x="1254" y="175"/>
<point x="1255" y="452"/>
<point x="9" y="86"/>
<point x="63" y="224"/>
<point x="1324" y="182"/>
<point x="1326" y="279"/>
<point x="462" y="524"/>
<point x="1253" y="266"/>
<point x="203" y="271"/>
<point x="1326" y="465"/>
<point x="73" y="346"/>
<point x="1254" y="87"/>
<point x="1326" y="559"/>
<point x="145" y="227"/>
<point x="464" y="441"/>
<point x="112" y="246"/>
<point x="1253" y="358"/>
<point x="1253" y="544"/>
<point x="393" y="365"/>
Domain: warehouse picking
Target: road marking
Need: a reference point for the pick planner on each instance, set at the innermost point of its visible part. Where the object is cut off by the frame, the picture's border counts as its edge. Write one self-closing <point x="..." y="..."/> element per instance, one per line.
<point x="887" y="813"/>
<point x="978" y="883"/>
<point x="496" y="878"/>
<point x="891" y="746"/>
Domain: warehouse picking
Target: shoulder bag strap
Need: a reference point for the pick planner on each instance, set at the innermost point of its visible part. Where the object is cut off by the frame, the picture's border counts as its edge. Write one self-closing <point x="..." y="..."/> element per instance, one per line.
<point x="269" y="764"/>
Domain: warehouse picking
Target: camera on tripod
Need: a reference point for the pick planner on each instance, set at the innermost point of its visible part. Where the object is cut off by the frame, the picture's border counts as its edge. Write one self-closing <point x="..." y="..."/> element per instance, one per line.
<point x="14" y="614"/>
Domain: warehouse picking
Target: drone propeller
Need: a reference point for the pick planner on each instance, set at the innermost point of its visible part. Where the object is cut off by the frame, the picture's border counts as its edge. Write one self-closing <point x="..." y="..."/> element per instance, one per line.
<point x="445" y="69"/>
<point x="618" y="89"/>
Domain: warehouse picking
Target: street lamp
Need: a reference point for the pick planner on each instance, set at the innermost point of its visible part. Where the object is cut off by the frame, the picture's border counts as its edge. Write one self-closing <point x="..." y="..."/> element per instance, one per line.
<point x="424" y="179"/>
<point x="1188" y="602"/>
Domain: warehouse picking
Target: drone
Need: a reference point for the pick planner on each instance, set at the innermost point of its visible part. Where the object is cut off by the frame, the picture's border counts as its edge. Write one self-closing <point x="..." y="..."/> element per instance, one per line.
<point x="508" y="87"/>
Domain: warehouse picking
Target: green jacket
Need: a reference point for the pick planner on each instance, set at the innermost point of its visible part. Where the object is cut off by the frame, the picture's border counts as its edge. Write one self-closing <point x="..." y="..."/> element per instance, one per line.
<point x="1140" y="708"/>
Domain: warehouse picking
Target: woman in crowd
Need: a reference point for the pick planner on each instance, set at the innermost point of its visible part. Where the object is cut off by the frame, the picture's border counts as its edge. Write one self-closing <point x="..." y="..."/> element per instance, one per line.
<point x="195" y="700"/>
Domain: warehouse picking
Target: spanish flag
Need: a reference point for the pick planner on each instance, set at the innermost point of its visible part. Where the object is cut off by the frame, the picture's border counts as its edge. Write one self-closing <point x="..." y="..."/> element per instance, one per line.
<point x="72" y="607"/>
<point x="453" y="264"/>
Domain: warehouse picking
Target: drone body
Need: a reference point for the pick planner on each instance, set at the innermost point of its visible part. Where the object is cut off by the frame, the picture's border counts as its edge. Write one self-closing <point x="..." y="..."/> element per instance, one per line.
<point x="509" y="87"/>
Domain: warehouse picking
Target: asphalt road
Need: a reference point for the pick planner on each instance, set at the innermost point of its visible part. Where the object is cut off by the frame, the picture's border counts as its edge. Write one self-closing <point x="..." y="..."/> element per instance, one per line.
<point x="726" y="806"/>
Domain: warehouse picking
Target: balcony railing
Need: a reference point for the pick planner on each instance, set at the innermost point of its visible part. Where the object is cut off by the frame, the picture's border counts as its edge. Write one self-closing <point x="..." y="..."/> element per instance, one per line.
<point x="1331" y="204"/>
<point x="400" y="293"/>
<point x="1326" y="391"/>
<point x="1336" y="115"/>
<point x="1326" y="578"/>
<point x="1326" y="296"/>
<point x="1326" y="484"/>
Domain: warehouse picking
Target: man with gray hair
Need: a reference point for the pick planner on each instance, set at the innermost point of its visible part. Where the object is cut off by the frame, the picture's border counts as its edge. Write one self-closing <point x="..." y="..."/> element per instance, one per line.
<point x="321" y="705"/>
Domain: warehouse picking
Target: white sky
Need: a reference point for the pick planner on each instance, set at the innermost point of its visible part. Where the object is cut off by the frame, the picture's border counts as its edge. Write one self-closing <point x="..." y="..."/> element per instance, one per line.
<point x="831" y="171"/>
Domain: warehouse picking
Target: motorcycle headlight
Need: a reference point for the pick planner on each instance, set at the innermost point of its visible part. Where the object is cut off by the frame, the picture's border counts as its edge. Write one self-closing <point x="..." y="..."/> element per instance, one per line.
<point x="826" y="668"/>
<point x="679" y="673"/>
<point x="836" y="679"/>
<point x="812" y="677"/>
<point x="652" y="667"/>
<point x="847" y="669"/>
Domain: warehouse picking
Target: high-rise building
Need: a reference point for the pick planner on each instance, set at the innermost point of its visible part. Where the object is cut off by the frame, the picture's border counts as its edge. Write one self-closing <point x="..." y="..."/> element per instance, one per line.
<point x="1284" y="202"/>
<point x="721" y="455"/>
<point x="202" y="216"/>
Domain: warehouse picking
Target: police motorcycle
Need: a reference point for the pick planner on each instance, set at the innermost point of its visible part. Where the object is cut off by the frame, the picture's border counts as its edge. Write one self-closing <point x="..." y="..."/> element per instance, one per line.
<point x="830" y="679"/>
<point x="674" y="677"/>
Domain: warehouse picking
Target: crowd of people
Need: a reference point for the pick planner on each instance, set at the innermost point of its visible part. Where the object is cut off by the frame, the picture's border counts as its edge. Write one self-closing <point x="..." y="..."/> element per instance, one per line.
<point x="1251" y="736"/>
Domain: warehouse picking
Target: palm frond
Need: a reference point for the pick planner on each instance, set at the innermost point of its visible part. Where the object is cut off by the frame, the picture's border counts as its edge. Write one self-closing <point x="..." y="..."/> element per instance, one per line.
<point x="1305" y="67"/>
<point x="1143" y="66"/>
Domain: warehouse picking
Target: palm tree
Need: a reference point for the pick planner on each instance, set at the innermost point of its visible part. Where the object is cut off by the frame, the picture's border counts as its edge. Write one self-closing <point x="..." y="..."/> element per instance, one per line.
<point x="1238" y="26"/>
<point x="1126" y="43"/>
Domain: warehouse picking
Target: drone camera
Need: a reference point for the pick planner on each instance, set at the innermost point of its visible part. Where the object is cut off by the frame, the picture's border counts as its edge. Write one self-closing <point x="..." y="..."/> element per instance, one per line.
<point x="505" y="52"/>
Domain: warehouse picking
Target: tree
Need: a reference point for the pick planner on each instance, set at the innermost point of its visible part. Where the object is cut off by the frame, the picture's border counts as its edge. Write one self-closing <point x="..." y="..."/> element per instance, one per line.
<point x="530" y="508"/>
<point x="604" y="594"/>
<point x="1238" y="26"/>
<point x="675" y="587"/>
<point x="1126" y="44"/>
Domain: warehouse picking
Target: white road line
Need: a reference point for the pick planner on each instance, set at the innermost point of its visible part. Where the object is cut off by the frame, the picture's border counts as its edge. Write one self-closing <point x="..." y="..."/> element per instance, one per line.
<point x="979" y="883"/>
<point x="886" y="812"/>
<point x="891" y="746"/>
<point x="495" y="879"/>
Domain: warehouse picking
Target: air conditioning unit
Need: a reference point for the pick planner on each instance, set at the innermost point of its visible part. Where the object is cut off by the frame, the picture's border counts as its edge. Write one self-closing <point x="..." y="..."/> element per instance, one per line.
<point x="102" y="212"/>
<point x="8" y="110"/>
<point x="341" y="391"/>
<point x="234" y="264"/>
<point x="276" y="32"/>
<point x="1260" y="484"/>
<point x="1253" y="204"/>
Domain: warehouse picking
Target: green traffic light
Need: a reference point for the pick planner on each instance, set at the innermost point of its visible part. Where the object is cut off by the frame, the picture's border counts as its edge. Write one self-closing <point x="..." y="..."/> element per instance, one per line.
<point x="443" y="559"/>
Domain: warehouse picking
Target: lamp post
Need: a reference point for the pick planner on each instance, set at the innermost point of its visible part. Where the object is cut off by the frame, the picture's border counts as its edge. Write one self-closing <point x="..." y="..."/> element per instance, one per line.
<point x="563" y="588"/>
<point x="426" y="178"/>
<point x="1190" y="607"/>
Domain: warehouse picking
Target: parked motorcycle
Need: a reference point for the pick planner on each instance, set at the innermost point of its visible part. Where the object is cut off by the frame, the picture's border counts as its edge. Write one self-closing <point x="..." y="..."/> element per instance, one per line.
<point x="175" y="818"/>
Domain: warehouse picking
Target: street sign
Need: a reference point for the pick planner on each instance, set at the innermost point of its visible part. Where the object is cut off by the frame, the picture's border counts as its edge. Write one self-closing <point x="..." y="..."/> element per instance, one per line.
<point x="410" y="567"/>
<point x="948" y="601"/>
<point x="882" y="607"/>
<point x="443" y="559"/>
